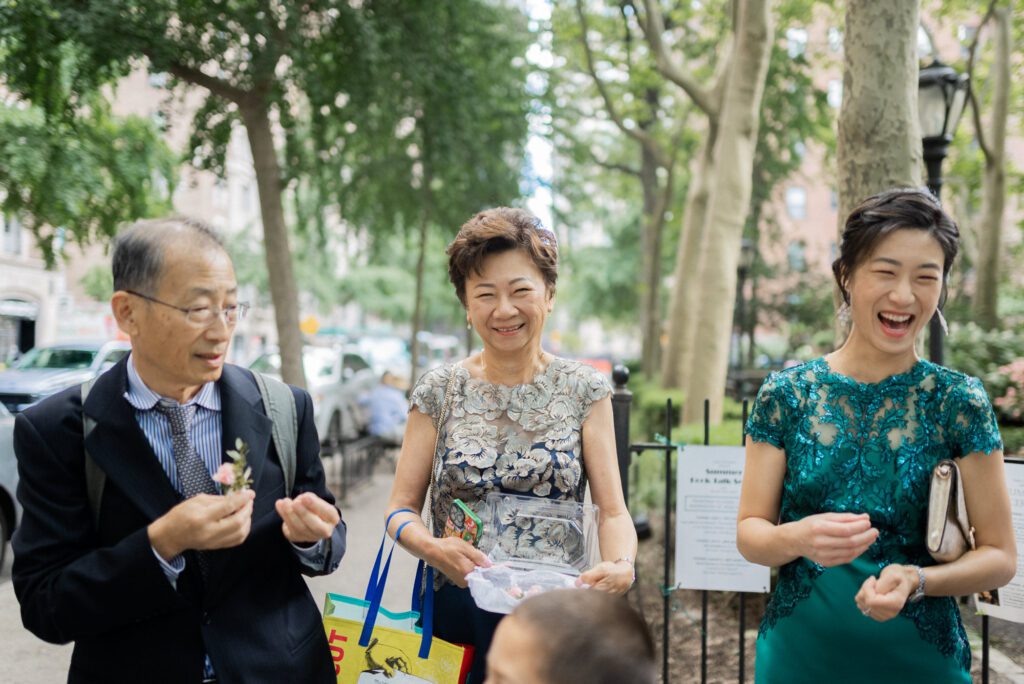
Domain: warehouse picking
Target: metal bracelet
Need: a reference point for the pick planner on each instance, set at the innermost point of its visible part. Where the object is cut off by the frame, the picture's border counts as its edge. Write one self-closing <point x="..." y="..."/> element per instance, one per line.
<point x="919" y="592"/>
<point x="632" y="565"/>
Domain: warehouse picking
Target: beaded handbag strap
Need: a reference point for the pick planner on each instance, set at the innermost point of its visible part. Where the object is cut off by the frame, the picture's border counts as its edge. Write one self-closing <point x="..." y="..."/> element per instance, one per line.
<point x="441" y="417"/>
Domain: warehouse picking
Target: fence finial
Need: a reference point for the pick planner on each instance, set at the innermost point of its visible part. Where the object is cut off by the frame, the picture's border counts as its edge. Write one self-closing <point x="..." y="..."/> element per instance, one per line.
<point x="620" y="376"/>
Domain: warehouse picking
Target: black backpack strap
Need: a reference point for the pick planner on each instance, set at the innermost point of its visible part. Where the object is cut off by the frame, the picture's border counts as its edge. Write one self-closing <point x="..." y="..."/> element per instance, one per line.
<point x="279" y="405"/>
<point x="95" y="478"/>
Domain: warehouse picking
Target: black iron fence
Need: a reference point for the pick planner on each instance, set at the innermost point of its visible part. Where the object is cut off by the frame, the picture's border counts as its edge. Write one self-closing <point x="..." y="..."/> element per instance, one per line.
<point x="351" y="463"/>
<point x="621" y="403"/>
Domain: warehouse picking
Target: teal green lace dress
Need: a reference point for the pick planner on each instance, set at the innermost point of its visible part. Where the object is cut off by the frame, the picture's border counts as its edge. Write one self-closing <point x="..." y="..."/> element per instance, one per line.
<point x="865" y="448"/>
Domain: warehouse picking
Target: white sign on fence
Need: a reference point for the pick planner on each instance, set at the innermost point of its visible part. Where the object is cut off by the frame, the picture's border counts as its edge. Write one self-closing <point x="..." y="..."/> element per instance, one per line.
<point x="708" y="480"/>
<point x="1007" y="603"/>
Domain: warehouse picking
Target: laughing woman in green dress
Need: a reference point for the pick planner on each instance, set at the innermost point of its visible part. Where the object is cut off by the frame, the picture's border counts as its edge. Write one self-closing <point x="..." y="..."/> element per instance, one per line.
<point x="839" y="461"/>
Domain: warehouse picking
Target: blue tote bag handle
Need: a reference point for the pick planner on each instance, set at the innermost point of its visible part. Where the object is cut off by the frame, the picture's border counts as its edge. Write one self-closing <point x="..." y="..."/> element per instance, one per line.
<point x="375" y="591"/>
<point x="372" y="583"/>
<point x="427" y="606"/>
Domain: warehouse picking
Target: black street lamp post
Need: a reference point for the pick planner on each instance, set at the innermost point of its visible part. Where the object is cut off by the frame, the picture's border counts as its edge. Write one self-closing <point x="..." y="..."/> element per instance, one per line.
<point x="742" y="271"/>
<point x="941" y="95"/>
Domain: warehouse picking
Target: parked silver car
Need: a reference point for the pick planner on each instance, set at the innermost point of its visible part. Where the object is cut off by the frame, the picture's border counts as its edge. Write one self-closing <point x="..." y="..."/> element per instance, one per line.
<point x="337" y="377"/>
<point x="10" y="509"/>
<point x="43" y="371"/>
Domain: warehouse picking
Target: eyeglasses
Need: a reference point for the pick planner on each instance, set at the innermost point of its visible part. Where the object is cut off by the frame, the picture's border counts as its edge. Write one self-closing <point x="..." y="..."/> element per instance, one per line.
<point x="204" y="315"/>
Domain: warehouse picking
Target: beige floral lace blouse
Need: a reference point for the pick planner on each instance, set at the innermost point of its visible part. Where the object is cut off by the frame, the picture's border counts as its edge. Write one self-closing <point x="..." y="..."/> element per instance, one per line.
<point x="522" y="439"/>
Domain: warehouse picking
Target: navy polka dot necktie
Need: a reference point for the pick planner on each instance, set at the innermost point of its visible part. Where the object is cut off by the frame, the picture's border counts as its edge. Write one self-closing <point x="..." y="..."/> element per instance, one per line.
<point x="193" y="477"/>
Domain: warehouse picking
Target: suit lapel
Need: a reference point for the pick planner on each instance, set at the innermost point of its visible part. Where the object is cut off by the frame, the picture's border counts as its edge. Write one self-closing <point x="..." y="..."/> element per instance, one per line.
<point x="120" y="448"/>
<point x="241" y="418"/>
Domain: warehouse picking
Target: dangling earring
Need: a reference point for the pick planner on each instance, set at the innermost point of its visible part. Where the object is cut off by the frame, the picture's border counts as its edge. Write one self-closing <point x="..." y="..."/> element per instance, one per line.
<point x="942" y="322"/>
<point x="469" y="326"/>
<point x="843" y="314"/>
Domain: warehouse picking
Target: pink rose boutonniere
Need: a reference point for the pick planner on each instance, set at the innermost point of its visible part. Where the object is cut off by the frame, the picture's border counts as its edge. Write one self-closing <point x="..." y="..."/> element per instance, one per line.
<point x="237" y="475"/>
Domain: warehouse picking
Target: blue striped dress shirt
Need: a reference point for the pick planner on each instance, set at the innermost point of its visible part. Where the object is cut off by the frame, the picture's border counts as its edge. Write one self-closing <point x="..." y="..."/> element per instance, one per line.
<point x="205" y="433"/>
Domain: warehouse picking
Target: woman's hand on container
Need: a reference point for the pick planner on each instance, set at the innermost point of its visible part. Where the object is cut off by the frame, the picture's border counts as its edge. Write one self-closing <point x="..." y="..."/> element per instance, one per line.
<point x="456" y="558"/>
<point x="883" y="598"/>
<point x="831" y="539"/>
<point x="613" y="577"/>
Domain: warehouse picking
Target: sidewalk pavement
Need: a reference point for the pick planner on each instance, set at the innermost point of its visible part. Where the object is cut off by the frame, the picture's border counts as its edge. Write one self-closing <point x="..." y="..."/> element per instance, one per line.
<point x="27" y="660"/>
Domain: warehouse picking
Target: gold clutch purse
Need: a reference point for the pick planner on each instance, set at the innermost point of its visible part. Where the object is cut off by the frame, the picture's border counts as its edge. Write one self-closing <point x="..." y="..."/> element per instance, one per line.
<point x="950" y="534"/>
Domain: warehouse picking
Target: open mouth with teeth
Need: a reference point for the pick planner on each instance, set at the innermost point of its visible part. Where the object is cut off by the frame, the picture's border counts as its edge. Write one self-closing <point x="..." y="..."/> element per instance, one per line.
<point x="895" y="324"/>
<point x="509" y="330"/>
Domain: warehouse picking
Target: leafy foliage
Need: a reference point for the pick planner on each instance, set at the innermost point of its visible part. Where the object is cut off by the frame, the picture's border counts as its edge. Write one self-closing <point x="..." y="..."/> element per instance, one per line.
<point x="80" y="178"/>
<point x="393" y="114"/>
<point x="994" y="356"/>
<point x="98" y="283"/>
<point x="600" y="168"/>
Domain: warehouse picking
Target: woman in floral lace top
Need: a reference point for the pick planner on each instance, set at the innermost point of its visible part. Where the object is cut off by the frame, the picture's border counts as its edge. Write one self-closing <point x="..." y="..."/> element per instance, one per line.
<point x="520" y="421"/>
<point x="839" y="461"/>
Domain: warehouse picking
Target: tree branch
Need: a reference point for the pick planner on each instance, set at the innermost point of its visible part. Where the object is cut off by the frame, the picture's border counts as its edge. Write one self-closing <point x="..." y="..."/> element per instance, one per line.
<point x="979" y="131"/>
<point x="635" y="132"/>
<point x="611" y="166"/>
<point x="653" y="27"/>
<point x="665" y="196"/>
<point x="215" y="85"/>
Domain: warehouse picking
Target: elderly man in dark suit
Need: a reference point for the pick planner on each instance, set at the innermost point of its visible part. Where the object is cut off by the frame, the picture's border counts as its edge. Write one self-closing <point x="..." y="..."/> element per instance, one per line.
<point x="166" y="579"/>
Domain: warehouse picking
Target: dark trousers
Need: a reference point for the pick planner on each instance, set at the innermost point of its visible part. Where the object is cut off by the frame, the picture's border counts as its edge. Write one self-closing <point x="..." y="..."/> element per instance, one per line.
<point x="458" y="620"/>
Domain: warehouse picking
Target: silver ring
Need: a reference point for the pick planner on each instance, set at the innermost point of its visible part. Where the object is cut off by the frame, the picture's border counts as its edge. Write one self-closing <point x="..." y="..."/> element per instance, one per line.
<point x="866" y="612"/>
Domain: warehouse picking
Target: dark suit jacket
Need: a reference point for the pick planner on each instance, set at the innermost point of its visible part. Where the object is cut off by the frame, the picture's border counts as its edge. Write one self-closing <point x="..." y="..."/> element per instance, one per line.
<point x="104" y="588"/>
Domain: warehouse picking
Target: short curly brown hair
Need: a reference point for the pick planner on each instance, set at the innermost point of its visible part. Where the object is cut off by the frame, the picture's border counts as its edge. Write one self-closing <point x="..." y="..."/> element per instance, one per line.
<point x="498" y="230"/>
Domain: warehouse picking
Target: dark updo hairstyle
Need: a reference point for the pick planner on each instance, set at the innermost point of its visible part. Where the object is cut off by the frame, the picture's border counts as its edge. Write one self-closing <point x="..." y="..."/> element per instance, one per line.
<point x="883" y="214"/>
<point x="501" y="230"/>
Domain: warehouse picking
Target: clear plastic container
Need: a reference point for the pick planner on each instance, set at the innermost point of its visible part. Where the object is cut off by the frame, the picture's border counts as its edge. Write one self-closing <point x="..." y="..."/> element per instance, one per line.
<point x="536" y="545"/>
<point x="540" y="533"/>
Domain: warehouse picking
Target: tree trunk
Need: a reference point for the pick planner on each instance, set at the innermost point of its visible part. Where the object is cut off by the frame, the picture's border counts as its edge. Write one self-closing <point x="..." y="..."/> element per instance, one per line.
<point x="650" y="317"/>
<point x="283" y="291"/>
<point x="417" y="310"/>
<point x="990" y="227"/>
<point x="727" y="209"/>
<point x="685" y="296"/>
<point x="879" y="135"/>
<point x="748" y="324"/>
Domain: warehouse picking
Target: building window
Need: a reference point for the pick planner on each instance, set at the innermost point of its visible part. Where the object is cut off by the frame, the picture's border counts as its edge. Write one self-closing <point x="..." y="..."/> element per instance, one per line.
<point x="796" y="202"/>
<point x="795" y="256"/>
<point x="796" y="42"/>
<point x="965" y="36"/>
<point x="835" y="39"/>
<point x="835" y="93"/>
<point x="220" y="193"/>
<point x="11" y="234"/>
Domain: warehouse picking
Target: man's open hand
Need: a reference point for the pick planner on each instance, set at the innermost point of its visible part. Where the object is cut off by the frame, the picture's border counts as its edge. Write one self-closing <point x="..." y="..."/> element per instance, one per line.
<point x="307" y="518"/>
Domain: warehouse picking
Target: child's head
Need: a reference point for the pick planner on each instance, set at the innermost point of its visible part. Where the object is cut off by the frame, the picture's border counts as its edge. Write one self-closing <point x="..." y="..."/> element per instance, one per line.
<point x="569" y="636"/>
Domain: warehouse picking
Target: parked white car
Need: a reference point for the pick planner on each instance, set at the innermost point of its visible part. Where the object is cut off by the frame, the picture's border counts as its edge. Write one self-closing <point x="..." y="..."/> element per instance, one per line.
<point x="10" y="509"/>
<point x="43" y="371"/>
<point x="337" y="378"/>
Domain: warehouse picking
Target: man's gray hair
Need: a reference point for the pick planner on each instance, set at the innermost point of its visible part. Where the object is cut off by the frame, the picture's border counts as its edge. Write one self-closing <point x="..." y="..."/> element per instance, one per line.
<point x="138" y="256"/>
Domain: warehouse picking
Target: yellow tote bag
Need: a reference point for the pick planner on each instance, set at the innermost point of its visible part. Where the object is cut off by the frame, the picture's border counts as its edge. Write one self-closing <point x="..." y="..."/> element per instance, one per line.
<point x="366" y="653"/>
